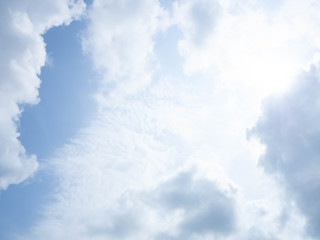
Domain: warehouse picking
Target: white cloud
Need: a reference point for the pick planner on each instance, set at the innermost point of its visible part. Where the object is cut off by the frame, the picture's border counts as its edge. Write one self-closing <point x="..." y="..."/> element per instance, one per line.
<point x="22" y="56"/>
<point x="260" y="45"/>
<point x="289" y="128"/>
<point x="205" y="210"/>
<point x="109" y="173"/>
<point x="119" y="38"/>
<point x="165" y="212"/>
<point x="125" y="149"/>
<point x="116" y="188"/>
<point x="253" y="49"/>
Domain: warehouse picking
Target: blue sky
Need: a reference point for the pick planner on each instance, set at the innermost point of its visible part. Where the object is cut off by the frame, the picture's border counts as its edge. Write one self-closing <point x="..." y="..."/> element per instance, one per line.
<point x="139" y="119"/>
<point x="66" y="94"/>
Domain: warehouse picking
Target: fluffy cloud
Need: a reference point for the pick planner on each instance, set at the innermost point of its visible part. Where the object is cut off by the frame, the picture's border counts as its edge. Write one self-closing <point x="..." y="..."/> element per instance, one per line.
<point x="119" y="38"/>
<point x="204" y="209"/>
<point x="251" y="42"/>
<point x="261" y="46"/>
<point x="183" y="207"/>
<point x="22" y="56"/>
<point x="290" y="131"/>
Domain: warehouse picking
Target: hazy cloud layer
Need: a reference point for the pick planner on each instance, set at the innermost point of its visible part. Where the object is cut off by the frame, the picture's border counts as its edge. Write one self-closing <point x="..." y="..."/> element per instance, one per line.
<point x="22" y="56"/>
<point x="290" y="131"/>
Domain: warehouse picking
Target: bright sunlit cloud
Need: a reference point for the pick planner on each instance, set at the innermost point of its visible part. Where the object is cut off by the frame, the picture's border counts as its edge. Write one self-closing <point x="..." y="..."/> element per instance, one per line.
<point x="263" y="48"/>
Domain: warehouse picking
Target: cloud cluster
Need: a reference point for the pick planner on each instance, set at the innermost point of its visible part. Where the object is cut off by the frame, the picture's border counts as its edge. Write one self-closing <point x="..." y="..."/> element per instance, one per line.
<point x="290" y="131"/>
<point x="204" y="209"/>
<point x="22" y="56"/>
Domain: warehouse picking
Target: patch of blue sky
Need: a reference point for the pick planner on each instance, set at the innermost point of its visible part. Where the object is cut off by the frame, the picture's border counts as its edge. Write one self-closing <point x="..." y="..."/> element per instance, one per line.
<point x="21" y="205"/>
<point x="66" y="105"/>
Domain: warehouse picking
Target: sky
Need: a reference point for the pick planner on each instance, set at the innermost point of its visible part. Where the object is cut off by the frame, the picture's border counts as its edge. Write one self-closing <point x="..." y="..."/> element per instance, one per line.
<point x="159" y="120"/>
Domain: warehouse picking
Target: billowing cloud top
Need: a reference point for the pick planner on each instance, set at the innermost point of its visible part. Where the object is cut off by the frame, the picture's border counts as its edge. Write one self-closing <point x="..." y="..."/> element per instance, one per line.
<point x="289" y="128"/>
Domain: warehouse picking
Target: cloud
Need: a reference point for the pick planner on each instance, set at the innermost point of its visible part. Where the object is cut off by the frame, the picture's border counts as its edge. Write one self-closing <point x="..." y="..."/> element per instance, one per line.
<point x="124" y="149"/>
<point x="206" y="209"/>
<point x="250" y="42"/>
<point x="113" y="177"/>
<point x="290" y="131"/>
<point x="22" y="56"/>
<point x="100" y="201"/>
<point x="173" y="214"/>
<point x="119" y="38"/>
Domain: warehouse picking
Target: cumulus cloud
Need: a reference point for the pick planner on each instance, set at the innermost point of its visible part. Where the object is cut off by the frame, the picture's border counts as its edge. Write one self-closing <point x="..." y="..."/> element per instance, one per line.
<point x="22" y="56"/>
<point x="119" y="38"/>
<point x="205" y="209"/>
<point x="251" y="42"/>
<point x="290" y="131"/>
<point x="261" y="46"/>
<point x="170" y="211"/>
